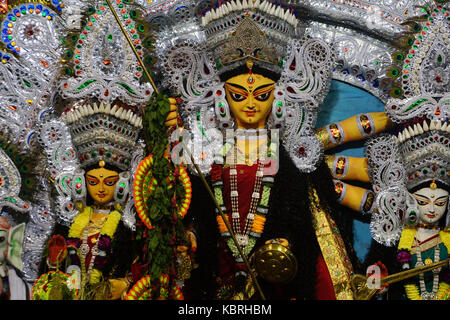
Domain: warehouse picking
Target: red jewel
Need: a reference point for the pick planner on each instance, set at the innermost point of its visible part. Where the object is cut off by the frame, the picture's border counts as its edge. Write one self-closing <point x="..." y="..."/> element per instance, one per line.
<point x="301" y="150"/>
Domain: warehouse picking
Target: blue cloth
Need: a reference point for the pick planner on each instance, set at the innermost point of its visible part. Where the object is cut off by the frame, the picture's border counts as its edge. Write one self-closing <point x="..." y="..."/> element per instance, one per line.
<point x="342" y="102"/>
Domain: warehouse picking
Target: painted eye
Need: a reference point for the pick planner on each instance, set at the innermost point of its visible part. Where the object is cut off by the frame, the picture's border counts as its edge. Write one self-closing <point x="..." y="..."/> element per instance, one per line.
<point x="110" y="183"/>
<point x="237" y="97"/>
<point x="264" y="96"/>
<point x="441" y="203"/>
<point x="92" y="182"/>
<point x="2" y="239"/>
<point x="421" y="203"/>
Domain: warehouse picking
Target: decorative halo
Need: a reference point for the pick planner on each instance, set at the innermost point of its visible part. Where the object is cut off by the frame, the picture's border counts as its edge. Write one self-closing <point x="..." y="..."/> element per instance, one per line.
<point x="144" y="184"/>
<point x="142" y="290"/>
<point x="42" y="286"/>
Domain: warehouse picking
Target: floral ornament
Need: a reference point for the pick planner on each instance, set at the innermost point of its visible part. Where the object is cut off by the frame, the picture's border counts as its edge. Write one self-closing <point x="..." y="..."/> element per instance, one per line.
<point x="145" y="184"/>
<point x="57" y="248"/>
<point x="27" y="25"/>
<point x="143" y="290"/>
<point x="105" y="66"/>
<point x="50" y="284"/>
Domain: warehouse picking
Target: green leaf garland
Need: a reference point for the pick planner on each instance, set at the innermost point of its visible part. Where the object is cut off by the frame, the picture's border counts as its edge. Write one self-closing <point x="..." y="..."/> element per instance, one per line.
<point x="168" y="230"/>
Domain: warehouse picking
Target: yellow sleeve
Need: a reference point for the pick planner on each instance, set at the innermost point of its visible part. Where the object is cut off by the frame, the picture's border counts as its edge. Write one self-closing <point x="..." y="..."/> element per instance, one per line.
<point x="348" y="168"/>
<point x="355" y="198"/>
<point x="352" y="129"/>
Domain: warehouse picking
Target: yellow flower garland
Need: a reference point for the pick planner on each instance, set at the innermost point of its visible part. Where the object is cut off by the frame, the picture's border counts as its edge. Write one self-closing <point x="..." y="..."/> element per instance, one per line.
<point x="82" y="220"/>
<point x="407" y="239"/>
<point x="412" y="291"/>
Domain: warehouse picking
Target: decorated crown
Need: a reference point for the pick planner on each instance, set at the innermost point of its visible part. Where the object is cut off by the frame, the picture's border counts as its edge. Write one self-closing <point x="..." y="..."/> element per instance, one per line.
<point x="240" y="30"/>
<point x="425" y="151"/>
<point x="103" y="133"/>
<point x="104" y="91"/>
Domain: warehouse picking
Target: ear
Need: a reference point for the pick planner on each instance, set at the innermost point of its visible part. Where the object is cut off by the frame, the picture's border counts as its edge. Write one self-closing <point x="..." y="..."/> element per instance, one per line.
<point x="79" y="186"/>
<point x="412" y="211"/>
<point x="15" y="241"/>
<point x="122" y="190"/>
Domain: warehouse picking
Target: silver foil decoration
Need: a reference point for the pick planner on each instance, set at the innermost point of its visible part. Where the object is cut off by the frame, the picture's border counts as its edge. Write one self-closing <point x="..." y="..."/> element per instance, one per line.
<point x="56" y="141"/>
<point x="388" y="176"/>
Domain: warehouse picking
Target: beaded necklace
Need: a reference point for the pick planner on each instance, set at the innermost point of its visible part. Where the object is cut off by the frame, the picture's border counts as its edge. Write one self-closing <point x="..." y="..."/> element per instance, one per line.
<point x="256" y="216"/>
<point x="424" y="293"/>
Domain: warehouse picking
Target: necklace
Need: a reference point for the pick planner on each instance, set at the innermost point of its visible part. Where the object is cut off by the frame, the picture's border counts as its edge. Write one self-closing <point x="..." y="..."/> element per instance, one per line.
<point x="256" y="215"/>
<point x="242" y="235"/>
<point x="424" y="293"/>
<point x="80" y="229"/>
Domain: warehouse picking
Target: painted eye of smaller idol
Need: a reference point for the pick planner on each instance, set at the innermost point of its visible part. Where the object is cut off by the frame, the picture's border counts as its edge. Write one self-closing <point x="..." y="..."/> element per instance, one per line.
<point x="2" y="239"/>
<point x="92" y="182"/>
<point x="237" y="97"/>
<point x="440" y="203"/>
<point x="263" y="97"/>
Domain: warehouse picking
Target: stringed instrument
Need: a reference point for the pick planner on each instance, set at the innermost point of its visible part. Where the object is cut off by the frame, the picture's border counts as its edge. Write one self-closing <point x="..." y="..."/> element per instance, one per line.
<point x="361" y="291"/>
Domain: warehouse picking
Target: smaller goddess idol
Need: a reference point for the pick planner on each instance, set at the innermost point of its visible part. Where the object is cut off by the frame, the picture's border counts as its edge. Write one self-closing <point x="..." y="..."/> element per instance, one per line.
<point x="410" y="174"/>
<point x="97" y="246"/>
<point x="423" y="235"/>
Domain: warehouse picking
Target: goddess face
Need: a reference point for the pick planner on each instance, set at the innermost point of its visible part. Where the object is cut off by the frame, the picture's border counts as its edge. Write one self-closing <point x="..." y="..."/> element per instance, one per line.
<point x="432" y="204"/>
<point x="101" y="184"/>
<point x="250" y="98"/>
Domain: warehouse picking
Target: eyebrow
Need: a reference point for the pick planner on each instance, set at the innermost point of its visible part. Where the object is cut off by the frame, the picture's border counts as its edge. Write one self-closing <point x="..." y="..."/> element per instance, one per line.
<point x="110" y="177"/>
<point x="264" y="86"/>
<point x="242" y="88"/>
<point x="236" y="86"/>
<point x="425" y="197"/>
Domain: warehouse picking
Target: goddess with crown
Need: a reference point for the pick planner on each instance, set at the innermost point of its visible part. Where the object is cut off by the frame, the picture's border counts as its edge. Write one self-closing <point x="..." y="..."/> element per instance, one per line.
<point x="250" y="88"/>
<point x="409" y="170"/>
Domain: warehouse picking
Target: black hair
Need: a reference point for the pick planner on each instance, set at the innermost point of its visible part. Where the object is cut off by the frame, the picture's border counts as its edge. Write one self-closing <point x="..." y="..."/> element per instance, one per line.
<point x="244" y="69"/>
<point x="426" y="184"/>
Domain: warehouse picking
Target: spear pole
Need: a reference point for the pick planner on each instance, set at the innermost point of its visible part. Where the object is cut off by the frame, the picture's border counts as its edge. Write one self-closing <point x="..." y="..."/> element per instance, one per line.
<point x="202" y="177"/>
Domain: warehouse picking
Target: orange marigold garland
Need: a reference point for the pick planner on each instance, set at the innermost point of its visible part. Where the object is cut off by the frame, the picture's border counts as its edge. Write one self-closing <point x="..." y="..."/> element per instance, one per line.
<point x="145" y="184"/>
